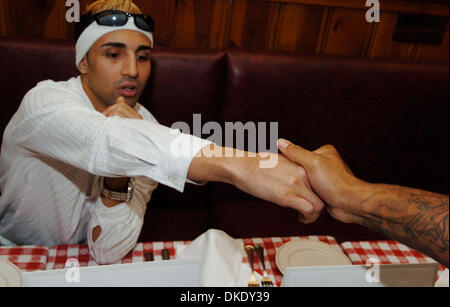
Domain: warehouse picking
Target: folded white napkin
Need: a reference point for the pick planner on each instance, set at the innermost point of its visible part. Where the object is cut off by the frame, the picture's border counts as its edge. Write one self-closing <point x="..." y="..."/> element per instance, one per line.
<point x="221" y="259"/>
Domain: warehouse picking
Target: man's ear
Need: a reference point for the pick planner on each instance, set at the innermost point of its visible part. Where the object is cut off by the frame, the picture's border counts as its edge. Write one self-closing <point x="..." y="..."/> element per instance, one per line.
<point x="83" y="65"/>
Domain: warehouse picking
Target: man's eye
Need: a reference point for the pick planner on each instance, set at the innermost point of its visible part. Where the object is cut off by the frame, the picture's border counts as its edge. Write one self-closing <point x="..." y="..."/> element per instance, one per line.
<point x="143" y="58"/>
<point x="112" y="55"/>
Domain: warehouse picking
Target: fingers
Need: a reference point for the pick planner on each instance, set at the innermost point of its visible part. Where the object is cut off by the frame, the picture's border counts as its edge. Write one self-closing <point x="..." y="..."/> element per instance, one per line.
<point x="120" y="99"/>
<point x="326" y="149"/>
<point x="303" y="206"/>
<point x="308" y="219"/>
<point x="121" y="109"/>
<point x="330" y="151"/>
<point x="344" y="216"/>
<point x="116" y="112"/>
<point x="111" y="108"/>
<point x="306" y="211"/>
<point x="108" y="111"/>
<point x="296" y="153"/>
<point x="314" y="200"/>
<point x="311" y="198"/>
<point x="297" y="180"/>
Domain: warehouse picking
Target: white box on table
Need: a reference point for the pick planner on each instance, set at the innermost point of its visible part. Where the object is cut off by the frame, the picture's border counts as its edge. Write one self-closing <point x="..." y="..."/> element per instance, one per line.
<point x="381" y="275"/>
<point x="166" y="273"/>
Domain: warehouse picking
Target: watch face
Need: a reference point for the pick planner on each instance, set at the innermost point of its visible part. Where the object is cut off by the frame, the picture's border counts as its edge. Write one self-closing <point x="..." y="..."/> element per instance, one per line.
<point x="130" y="185"/>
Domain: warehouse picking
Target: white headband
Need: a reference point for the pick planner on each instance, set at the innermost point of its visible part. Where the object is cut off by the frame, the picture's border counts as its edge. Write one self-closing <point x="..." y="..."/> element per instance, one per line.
<point x="94" y="31"/>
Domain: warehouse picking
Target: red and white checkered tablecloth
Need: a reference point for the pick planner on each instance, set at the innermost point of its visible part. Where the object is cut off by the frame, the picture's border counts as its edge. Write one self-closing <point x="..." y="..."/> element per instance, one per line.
<point x="27" y="258"/>
<point x="59" y="255"/>
<point x="384" y="252"/>
<point x="30" y="258"/>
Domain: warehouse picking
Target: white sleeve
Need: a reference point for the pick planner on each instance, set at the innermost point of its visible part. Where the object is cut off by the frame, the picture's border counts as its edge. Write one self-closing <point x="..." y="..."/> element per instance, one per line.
<point x="120" y="225"/>
<point x="53" y="123"/>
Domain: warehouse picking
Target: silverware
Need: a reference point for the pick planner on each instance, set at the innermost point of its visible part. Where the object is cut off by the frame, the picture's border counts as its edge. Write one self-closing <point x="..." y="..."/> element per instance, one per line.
<point x="165" y="254"/>
<point x="265" y="281"/>
<point x="149" y="256"/>
<point x="252" y="281"/>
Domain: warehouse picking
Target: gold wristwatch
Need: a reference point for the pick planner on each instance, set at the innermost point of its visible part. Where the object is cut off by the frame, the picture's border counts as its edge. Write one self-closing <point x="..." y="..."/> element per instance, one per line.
<point x="119" y="196"/>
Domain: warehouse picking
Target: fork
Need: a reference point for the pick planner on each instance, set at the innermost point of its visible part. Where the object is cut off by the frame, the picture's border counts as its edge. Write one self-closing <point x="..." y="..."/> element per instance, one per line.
<point x="165" y="254"/>
<point x="252" y="281"/>
<point x="149" y="256"/>
<point x="265" y="281"/>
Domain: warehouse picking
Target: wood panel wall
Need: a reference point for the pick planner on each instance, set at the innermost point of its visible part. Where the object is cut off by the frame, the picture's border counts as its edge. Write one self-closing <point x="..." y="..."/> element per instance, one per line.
<point x="310" y="26"/>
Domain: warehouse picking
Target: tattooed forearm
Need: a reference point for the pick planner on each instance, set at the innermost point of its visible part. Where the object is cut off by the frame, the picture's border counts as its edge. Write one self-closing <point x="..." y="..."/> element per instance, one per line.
<point x="431" y="222"/>
<point x="416" y="218"/>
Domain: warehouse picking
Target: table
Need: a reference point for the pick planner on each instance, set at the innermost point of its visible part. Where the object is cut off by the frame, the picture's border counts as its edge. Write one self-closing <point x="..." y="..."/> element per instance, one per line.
<point x="31" y="258"/>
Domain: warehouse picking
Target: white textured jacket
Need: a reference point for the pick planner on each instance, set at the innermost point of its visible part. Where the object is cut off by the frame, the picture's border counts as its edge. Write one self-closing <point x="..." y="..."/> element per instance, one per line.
<point x="55" y="152"/>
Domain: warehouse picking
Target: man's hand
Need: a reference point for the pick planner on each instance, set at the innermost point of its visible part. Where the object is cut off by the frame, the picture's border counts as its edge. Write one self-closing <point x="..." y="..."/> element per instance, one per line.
<point x="330" y="178"/>
<point x="286" y="184"/>
<point x="121" y="109"/>
<point x="414" y="217"/>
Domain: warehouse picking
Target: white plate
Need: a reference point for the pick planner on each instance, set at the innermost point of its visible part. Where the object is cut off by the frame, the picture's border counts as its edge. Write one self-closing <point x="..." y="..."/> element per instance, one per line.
<point x="10" y="275"/>
<point x="300" y="253"/>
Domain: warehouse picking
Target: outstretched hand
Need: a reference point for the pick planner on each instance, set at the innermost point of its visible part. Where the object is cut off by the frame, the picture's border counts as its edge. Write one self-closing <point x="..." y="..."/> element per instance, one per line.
<point x="286" y="184"/>
<point x="283" y="183"/>
<point x="329" y="177"/>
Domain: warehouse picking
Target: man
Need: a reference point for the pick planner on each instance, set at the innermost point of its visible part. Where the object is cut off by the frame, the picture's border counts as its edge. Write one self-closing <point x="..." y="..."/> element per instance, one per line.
<point x="80" y="158"/>
<point x="411" y="216"/>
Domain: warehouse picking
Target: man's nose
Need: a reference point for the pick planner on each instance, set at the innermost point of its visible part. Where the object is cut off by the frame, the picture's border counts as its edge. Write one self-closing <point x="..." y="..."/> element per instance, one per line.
<point x="130" y="67"/>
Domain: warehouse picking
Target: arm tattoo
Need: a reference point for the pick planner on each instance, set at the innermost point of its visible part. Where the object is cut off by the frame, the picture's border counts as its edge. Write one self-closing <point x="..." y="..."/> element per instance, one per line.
<point x="429" y="222"/>
<point x="416" y="218"/>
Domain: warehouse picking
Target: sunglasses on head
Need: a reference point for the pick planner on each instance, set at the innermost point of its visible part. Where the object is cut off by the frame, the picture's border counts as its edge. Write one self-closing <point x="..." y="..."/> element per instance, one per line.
<point x="114" y="18"/>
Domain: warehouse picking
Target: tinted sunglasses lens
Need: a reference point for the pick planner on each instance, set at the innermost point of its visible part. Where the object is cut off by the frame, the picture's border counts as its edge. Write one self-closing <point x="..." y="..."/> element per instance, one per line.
<point x="112" y="19"/>
<point x="144" y="22"/>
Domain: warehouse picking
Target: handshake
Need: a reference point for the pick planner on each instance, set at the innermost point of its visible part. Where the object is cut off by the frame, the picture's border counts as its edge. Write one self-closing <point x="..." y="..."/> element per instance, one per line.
<point x="306" y="180"/>
<point x="414" y="217"/>
<point x="310" y="181"/>
<point x="303" y="180"/>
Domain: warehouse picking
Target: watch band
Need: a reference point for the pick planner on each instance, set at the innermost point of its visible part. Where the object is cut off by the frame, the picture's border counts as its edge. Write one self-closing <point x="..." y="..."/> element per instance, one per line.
<point x="119" y="196"/>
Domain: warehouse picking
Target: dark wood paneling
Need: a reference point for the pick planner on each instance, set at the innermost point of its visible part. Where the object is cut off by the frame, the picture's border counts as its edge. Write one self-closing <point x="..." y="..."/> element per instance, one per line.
<point x="433" y="52"/>
<point x="436" y="7"/>
<point x="27" y="18"/>
<point x="163" y="12"/>
<point x="347" y="32"/>
<point x="253" y="24"/>
<point x="200" y="23"/>
<point x="321" y="26"/>
<point x="3" y="18"/>
<point x="299" y="28"/>
<point x="382" y="45"/>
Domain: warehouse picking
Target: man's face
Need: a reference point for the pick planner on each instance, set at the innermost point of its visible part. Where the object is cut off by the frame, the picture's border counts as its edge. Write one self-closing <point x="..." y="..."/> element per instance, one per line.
<point x="118" y="64"/>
